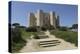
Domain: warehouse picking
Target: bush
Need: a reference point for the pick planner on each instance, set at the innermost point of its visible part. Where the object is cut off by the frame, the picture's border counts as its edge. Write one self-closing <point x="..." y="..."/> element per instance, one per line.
<point x="17" y="42"/>
<point x="16" y="35"/>
<point x="36" y="37"/>
<point x="63" y="28"/>
<point x="31" y="29"/>
<point x="51" y="27"/>
<point x="75" y="26"/>
<point x="43" y="28"/>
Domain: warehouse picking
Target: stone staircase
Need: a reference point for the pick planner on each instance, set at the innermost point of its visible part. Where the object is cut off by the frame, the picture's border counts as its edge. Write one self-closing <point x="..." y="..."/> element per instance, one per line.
<point x="49" y="43"/>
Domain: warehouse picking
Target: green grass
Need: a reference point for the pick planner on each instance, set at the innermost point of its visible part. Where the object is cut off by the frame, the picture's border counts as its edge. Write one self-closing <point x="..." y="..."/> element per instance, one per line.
<point x="67" y="36"/>
<point x="27" y="35"/>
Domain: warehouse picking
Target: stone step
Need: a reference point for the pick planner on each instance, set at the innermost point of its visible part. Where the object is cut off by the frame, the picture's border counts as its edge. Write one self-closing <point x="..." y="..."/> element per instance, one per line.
<point x="49" y="41"/>
<point x="49" y="45"/>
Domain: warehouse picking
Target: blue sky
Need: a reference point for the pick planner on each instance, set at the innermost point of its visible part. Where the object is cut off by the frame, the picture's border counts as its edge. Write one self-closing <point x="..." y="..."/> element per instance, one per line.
<point x="68" y="13"/>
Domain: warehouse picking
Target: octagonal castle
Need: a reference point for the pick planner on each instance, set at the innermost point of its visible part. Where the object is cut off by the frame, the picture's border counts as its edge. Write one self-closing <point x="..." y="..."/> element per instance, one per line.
<point x="43" y="19"/>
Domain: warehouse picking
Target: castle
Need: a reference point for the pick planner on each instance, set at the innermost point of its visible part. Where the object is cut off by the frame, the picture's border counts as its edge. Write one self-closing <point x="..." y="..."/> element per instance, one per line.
<point x="43" y="19"/>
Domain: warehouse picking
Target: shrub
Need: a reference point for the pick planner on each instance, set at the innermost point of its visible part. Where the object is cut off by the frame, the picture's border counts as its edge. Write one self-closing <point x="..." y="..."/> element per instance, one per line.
<point x="63" y="28"/>
<point x="43" y="28"/>
<point x="17" y="42"/>
<point x="31" y="29"/>
<point x="36" y="37"/>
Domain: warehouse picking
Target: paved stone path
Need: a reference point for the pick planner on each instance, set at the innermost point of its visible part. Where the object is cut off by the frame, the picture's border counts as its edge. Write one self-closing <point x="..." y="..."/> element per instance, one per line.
<point x="31" y="46"/>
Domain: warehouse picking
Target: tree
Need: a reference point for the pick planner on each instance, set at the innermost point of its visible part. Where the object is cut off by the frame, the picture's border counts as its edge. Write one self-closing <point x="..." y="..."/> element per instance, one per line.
<point x="63" y="28"/>
<point x="31" y="29"/>
<point x="22" y="28"/>
<point x="51" y="27"/>
<point x="16" y="33"/>
<point x="16" y="40"/>
<point x="16" y="24"/>
<point x="75" y="26"/>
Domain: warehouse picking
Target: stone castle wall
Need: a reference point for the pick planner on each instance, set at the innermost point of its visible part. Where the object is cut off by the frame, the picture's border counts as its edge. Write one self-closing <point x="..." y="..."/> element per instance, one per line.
<point x="44" y="19"/>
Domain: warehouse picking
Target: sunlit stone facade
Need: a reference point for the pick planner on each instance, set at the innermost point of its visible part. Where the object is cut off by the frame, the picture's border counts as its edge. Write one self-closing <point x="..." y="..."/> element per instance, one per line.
<point x="42" y="19"/>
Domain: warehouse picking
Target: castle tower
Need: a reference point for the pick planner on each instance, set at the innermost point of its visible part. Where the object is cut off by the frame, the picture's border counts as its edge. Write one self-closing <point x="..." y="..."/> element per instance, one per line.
<point x="32" y="20"/>
<point x="40" y="18"/>
<point x="46" y="20"/>
<point x="53" y="19"/>
<point x="57" y="21"/>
